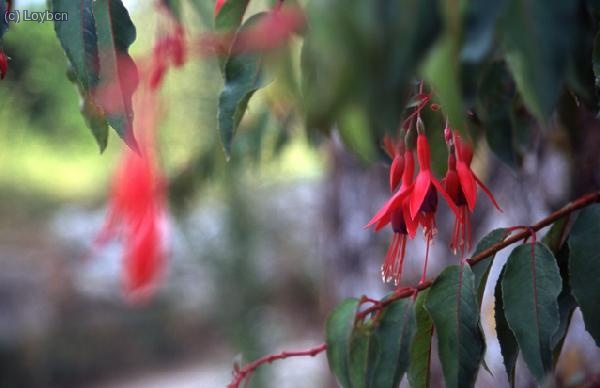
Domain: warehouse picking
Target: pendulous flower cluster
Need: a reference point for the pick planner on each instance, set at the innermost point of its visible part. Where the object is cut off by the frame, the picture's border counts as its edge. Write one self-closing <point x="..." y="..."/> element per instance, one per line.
<point x="415" y="202"/>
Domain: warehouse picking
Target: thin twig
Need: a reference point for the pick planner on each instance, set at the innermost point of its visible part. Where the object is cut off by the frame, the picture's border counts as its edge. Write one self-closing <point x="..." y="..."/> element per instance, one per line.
<point x="247" y="370"/>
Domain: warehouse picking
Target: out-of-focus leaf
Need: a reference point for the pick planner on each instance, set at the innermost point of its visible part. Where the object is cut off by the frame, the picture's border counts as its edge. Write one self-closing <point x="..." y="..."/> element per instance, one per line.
<point x="354" y="131"/>
<point x="231" y="14"/>
<point x="3" y="24"/>
<point x="580" y="72"/>
<point x="495" y="100"/>
<point x="479" y="27"/>
<point x="338" y="333"/>
<point x="530" y="288"/>
<point x="537" y="52"/>
<point x="118" y="78"/>
<point x="508" y="343"/>
<point x="174" y="7"/>
<point x="442" y="70"/>
<point x="585" y="269"/>
<point x="243" y="76"/>
<point x="390" y="345"/>
<point x="420" y="347"/>
<point x="481" y="269"/>
<point x="452" y="304"/>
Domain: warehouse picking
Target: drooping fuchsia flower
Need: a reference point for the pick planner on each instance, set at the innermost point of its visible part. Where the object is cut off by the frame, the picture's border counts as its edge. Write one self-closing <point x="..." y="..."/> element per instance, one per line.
<point x="396" y="211"/>
<point x="461" y="185"/>
<point x="137" y="210"/>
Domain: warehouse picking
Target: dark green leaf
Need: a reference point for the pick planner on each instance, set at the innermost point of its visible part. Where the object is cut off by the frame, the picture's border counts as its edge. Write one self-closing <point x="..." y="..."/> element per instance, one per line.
<point x="354" y="132"/>
<point x="452" y="305"/>
<point x="508" y="343"/>
<point x="243" y="76"/>
<point x="78" y="38"/>
<point x="3" y="24"/>
<point x="530" y="288"/>
<point x="495" y="100"/>
<point x="481" y="269"/>
<point x="390" y="344"/>
<point x="420" y="347"/>
<point x="479" y="27"/>
<point x="584" y="267"/>
<point x="566" y="303"/>
<point x="360" y="347"/>
<point x="338" y="332"/>
<point x="537" y="51"/>
<point x="118" y="72"/>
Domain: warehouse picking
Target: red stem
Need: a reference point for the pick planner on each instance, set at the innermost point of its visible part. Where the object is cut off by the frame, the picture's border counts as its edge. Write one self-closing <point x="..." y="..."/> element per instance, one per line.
<point x="245" y="372"/>
<point x="528" y="231"/>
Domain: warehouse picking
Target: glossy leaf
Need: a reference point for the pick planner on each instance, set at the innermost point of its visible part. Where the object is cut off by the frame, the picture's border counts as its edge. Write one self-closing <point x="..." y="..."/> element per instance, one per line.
<point x="243" y="76"/>
<point x="420" y="347"/>
<point x="118" y="72"/>
<point x="537" y="65"/>
<point x="530" y="288"/>
<point x="481" y="269"/>
<point x="508" y="343"/>
<point x="452" y="305"/>
<point x="584" y="267"/>
<point x="390" y="344"/>
<point x="338" y="333"/>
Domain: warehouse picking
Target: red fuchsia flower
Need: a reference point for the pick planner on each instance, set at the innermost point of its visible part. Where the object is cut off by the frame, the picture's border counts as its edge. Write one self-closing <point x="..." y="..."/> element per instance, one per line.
<point x="461" y="185"/>
<point x="3" y="64"/>
<point x="169" y="49"/>
<point x="396" y="211"/>
<point x="424" y="196"/>
<point x="396" y="153"/>
<point x="137" y="211"/>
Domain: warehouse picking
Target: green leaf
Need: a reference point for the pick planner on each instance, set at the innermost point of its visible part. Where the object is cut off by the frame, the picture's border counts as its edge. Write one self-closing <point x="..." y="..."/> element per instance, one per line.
<point x="508" y="343"/>
<point x="360" y="347"/>
<point x="390" y="344"/>
<point x="537" y="52"/>
<point x="338" y="333"/>
<point x="118" y="72"/>
<point x="584" y="267"/>
<point x="452" y="305"/>
<point x="243" y="76"/>
<point x="481" y="269"/>
<point x="441" y="69"/>
<point x="420" y="347"/>
<point x="354" y="132"/>
<point x="479" y="26"/>
<point x="78" y="38"/>
<point x="495" y="100"/>
<point x="95" y="121"/>
<point x="530" y="288"/>
<point x="231" y="14"/>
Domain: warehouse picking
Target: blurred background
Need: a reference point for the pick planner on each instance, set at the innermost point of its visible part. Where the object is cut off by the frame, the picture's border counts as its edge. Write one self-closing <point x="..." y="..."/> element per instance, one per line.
<point x="262" y="247"/>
